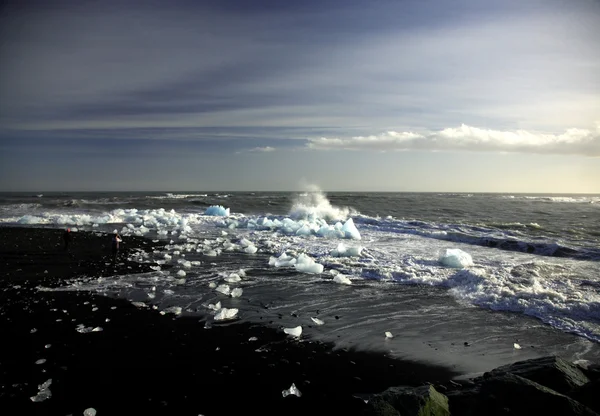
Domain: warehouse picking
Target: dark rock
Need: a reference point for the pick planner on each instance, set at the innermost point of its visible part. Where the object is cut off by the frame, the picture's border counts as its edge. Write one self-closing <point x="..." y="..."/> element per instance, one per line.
<point x="552" y="372"/>
<point x="409" y="401"/>
<point x="592" y="371"/>
<point x="379" y="407"/>
<point x="510" y="394"/>
<point x="588" y="394"/>
<point x="463" y="401"/>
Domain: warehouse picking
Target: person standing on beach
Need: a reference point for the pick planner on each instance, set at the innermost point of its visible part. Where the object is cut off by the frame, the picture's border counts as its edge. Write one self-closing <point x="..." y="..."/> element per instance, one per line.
<point x="68" y="237"/>
<point x="115" y="245"/>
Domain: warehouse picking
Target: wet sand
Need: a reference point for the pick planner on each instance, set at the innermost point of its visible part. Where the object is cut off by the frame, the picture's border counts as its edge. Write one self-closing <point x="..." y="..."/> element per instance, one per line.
<point x="142" y="362"/>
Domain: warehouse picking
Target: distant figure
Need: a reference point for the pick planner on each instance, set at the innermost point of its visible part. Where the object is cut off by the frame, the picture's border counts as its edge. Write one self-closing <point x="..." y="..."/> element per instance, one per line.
<point x="116" y="239"/>
<point x="68" y="237"/>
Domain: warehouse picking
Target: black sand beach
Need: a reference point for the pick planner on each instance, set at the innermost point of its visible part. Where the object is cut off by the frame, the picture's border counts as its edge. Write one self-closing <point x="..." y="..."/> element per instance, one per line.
<point x="142" y="362"/>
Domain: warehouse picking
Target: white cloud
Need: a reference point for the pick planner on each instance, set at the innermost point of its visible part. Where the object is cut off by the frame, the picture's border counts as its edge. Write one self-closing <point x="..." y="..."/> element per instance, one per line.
<point x="572" y="141"/>
<point x="265" y="149"/>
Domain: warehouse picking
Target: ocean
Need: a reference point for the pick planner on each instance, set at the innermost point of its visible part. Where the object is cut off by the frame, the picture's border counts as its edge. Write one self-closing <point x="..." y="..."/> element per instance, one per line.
<point x="470" y="281"/>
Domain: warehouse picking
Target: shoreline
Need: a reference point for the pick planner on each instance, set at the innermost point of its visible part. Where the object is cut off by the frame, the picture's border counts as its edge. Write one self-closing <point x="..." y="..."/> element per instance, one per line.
<point x="145" y="362"/>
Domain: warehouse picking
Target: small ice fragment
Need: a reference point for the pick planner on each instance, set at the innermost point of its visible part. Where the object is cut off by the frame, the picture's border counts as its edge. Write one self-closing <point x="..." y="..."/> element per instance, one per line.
<point x="181" y="273"/>
<point x="224" y="289"/>
<point x="176" y="310"/>
<point x="317" y="321"/>
<point x="89" y="412"/>
<point x="212" y="285"/>
<point x="340" y="278"/>
<point x="517" y="346"/>
<point x="139" y="304"/>
<point x="252" y="339"/>
<point x="292" y="390"/>
<point x="251" y="249"/>
<point x="33" y="331"/>
<point x="94" y="309"/>
<point x="44" y="392"/>
<point x="225" y="313"/>
<point x="47" y="346"/>
<point x="41" y="361"/>
<point x="233" y="278"/>
<point x="113" y="307"/>
<point x="214" y="307"/>
<point x="237" y="292"/>
<point x="295" y="332"/>
<point x="455" y="258"/>
<point x="107" y="320"/>
<point x="97" y="329"/>
<point x="388" y="335"/>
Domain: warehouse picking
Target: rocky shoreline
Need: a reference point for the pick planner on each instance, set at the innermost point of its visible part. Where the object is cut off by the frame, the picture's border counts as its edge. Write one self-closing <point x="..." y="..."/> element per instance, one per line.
<point x="542" y="386"/>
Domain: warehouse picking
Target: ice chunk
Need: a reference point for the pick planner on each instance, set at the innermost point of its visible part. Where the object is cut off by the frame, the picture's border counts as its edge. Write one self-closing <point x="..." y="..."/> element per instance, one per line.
<point x="233" y="278"/>
<point x="251" y="249"/>
<point x="252" y="339"/>
<point x="217" y="211"/>
<point x="305" y="264"/>
<point x="41" y="361"/>
<point x="43" y="392"/>
<point x="317" y="321"/>
<point x="292" y="390"/>
<point x="389" y="335"/>
<point x="226" y="313"/>
<point x="340" y="278"/>
<point x="237" y="292"/>
<point x="176" y="310"/>
<point x="282" y="261"/>
<point x="343" y="251"/>
<point x="181" y="273"/>
<point x="456" y="258"/>
<point x="224" y="289"/>
<point x="295" y="332"/>
<point x="214" y="307"/>
<point x="350" y="231"/>
<point x="212" y="285"/>
<point x="517" y="346"/>
<point x="90" y="411"/>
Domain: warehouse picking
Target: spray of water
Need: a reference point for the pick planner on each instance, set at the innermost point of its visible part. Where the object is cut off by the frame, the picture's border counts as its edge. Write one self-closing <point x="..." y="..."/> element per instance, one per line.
<point x="313" y="204"/>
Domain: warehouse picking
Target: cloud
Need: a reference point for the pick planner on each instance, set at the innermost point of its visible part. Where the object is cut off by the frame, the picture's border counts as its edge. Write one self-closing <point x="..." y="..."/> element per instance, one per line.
<point x="265" y="149"/>
<point x="572" y="141"/>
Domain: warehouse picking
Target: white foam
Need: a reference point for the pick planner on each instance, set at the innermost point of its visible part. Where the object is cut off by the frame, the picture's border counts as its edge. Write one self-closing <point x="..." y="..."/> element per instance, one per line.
<point x="314" y="204"/>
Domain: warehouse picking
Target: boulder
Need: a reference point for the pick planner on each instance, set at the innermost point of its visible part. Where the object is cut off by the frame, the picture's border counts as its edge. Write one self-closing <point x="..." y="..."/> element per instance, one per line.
<point x="409" y="401"/>
<point x="511" y="394"/>
<point x="588" y="394"/>
<point x="552" y="372"/>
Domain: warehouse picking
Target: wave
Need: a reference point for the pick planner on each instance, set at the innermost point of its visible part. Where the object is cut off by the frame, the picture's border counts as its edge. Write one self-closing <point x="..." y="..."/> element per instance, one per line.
<point x="314" y="204"/>
<point x="510" y="239"/>
<point x="587" y="199"/>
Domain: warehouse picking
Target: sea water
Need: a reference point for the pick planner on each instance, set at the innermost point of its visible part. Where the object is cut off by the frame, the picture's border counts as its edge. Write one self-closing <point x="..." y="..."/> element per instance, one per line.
<point x="458" y="279"/>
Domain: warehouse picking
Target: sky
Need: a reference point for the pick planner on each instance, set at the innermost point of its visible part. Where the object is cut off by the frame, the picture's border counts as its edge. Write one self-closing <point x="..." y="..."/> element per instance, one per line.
<point x="269" y="95"/>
